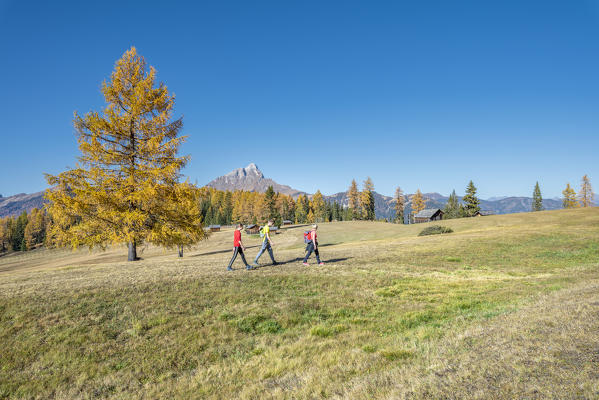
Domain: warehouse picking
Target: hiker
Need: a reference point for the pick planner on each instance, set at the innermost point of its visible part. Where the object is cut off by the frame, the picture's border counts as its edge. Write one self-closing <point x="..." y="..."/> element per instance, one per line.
<point x="238" y="248"/>
<point x="266" y="243"/>
<point x="312" y="245"/>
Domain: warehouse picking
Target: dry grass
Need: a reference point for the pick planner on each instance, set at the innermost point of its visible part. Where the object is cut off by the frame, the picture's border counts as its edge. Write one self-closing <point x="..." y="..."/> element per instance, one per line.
<point x="391" y="315"/>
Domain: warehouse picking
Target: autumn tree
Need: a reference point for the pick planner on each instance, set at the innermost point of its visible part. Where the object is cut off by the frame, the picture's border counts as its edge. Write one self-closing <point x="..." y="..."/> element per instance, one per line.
<point x="418" y="202"/>
<point x="319" y="207"/>
<point x="301" y="209"/>
<point x="400" y="204"/>
<point x="128" y="173"/>
<point x="569" y="199"/>
<point x="35" y="231"/>
<point x="353" y="196"/>
<point x="586" y="195"/>
<point x="367" y="200"/>
<point x="537" y="199"/>
<point x="471" y="202"/>
<point x="4" y="234"/>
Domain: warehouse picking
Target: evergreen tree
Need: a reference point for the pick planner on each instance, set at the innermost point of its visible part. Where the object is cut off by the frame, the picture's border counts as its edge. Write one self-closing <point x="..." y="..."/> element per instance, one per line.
<point x="400" y="204"/>
<point x="18" y="233"/>
<point x="367" y="200"/>
<point x="125" y="188"/>
<point x="569" y="199"/>
<point x="537" y="199"/>
<point x="586" y="195"/>
<point x="453" y="208"/>
<point x="418" y="202"/>
<point x="270" y="201"/>
<point x="472" y="204"/>
<point x="353" y="196"/>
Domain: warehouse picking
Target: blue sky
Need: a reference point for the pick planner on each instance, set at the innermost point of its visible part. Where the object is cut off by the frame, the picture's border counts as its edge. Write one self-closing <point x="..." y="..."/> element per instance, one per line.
<point x="420" y="94"/>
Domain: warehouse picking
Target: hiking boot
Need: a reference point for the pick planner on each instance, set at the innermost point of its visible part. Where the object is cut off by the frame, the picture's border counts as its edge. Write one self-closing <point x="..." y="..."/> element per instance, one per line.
<point x="321" y="263"/>
<point x="275" y="263"/>
<point x="229" y="269"/>
<point x="306" y="264"/>
<point x="248" y="267"/>
<point x="255" y="264"/>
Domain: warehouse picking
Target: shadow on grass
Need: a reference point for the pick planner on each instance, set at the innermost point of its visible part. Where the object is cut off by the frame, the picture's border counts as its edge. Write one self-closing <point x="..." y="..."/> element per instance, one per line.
<point x="299" y="260"/>
<point x="220" y="251"/>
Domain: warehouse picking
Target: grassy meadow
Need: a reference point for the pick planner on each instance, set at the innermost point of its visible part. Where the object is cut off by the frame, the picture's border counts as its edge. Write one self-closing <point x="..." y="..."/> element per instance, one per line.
<point x="503" y="307"/>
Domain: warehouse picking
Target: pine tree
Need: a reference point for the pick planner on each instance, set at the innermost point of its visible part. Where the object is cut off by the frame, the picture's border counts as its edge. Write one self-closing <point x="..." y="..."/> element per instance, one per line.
<point x="123" y="186"/>
<point x="18" y="233"/>
<point x="586" y="195"/>
<point x="452" y="208"/>
<point x="319" y="207"/>
<point x="569" y="200"/>
<point x="400" y="204"/>
<point x="537" y="199"/>
<point x="367" y="200"/>
<point x="418" y="202"/>
<point x="353" y="196"/>
<point x="270" y="201"/>
<point x="471" y="202"/>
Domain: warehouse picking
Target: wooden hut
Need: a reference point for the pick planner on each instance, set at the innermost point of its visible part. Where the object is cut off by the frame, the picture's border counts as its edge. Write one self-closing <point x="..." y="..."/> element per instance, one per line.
<point x="252" y="229"/>
<point x="483" y="213"/>
<point x="430" y="214"/>
<point x="287" y="222"/>
<point x="214" y="228"/>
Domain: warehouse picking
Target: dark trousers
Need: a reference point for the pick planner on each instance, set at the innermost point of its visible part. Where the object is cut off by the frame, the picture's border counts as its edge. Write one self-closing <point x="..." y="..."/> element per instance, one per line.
<point x="309" y="250"/>
<point x="238" y="250"/>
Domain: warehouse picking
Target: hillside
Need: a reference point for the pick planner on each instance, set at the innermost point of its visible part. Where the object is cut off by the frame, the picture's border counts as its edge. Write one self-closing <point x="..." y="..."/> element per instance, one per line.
<point x="390" y="315"/>
<point x="15" y="205"/>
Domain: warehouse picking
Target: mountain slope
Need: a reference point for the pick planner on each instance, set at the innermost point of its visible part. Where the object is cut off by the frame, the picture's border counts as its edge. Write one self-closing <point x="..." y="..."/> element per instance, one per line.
<point x="250" y="179"/>
<point x="15" y="205"/>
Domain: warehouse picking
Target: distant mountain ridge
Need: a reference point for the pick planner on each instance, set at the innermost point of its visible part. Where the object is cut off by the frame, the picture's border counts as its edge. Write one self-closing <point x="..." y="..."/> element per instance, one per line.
<point x="15" y="205"/>
<point x="252" y="179"/>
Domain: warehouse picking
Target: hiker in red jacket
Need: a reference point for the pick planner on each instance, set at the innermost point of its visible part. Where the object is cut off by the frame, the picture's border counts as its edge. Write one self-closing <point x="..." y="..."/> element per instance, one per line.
<point x="238" y="248"/>
<point x="312" y="246"/>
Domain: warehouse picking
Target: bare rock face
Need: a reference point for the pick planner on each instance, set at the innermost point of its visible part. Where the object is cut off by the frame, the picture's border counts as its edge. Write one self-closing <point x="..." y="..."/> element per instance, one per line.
<point x="250" y="179"/>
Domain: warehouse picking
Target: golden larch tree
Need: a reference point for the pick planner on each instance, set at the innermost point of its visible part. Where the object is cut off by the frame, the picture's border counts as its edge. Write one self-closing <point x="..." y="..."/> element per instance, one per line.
<point x="569" y="199"/>
<point x="319" y="207"/>
<point x="418" y="202"/>
<point x="586" y="195"/>
<point x="353" y="196"/>
<point x="125" y="186"/>
<point x="367" y="200"/>
<point x="399" y="205"/>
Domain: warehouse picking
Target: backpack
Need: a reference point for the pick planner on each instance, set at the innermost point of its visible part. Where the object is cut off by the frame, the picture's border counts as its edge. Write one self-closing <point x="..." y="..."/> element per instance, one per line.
<point x="307" y="237"/>
<point x="262" y="231"/>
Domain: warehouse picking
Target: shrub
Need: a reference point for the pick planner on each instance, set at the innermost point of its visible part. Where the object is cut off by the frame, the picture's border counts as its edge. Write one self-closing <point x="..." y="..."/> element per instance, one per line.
<point x="435" y="230"/>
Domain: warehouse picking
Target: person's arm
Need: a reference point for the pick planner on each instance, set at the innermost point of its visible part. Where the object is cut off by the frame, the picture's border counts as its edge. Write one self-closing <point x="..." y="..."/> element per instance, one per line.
<point x="268" y="238"/>
<point x="314" y="240"/>
<point x="241" y="244"/>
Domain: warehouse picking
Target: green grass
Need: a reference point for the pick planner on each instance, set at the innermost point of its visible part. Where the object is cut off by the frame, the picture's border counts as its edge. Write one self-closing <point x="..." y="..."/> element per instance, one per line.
<point x="90" y="325"/>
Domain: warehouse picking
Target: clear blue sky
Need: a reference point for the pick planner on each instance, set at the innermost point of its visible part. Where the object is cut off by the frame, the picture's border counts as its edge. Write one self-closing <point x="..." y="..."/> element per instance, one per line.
<point x="420" y="94"/>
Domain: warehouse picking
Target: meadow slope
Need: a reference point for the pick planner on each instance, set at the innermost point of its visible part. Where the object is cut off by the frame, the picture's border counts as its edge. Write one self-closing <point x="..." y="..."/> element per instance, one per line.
<point x="504" y="307"/>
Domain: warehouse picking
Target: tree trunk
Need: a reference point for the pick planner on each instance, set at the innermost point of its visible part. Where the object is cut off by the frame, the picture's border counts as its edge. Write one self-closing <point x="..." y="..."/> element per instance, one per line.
<point x="180" y="251"/>
<point x="132" y="251"/>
